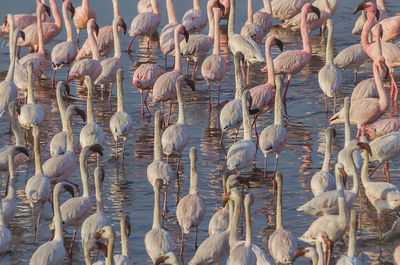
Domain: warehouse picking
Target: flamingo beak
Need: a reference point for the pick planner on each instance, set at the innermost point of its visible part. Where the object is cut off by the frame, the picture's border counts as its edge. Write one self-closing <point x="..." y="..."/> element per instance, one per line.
<point x="5" y="20"/>
<point x="316" y="11"/>
<point x="70" y="189"/>
<point x="124" y="26"/>
<point x="72" y="10"/>
<point x="22" y="35"/>
<point x="96" y="29"/>
<point x="225" y="198"/>
<point x="186" y="35"/>
<point x="279" y="43"/>
<point x="22" y="150"/>
<point x="102" y="247"/>
<point x="221" y="6"/>
<point x="81" y="113"/>
<point x="377" y="14"/>
<point x="128" y="228"/>
<point x="160" y="260"/>
<point x="47" y="9"/>
<point x="96" y="148"/>
<point x="298" y="253"/>
<point x="365" y="147"/>
<point x="360" y="7"/>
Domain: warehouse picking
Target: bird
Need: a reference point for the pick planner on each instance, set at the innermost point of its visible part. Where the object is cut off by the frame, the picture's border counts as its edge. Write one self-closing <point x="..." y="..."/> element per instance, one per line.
<point x="175" y="137"/>
<point x="96" y="221"/>
<point x="121" y="122"/>
<point x="5" y="233"/>
<point x="31" y="113"/>
<point x="263" y="17"/>
<point x="91" y="67"/>
<point x="351" y="57"/>
<point x="111" y="65"/>
<point x="391" y="29"/>
<point x="293" y="61"/>
<point x="250" y="29"/>
<point x="145" y="24"/>
<point x="195" y="19"/>
<point x="164" y="88"/>
<point x="64" y="53"/>
<point x="241" y="154"/>
<point x="124" y="257"/>
<point x="351" y="257"/>
<point x="53" y="252"/>
<point x="144" y="6"/>
<point x="237" y="42"/>
<point x="167" y="43"/>
<point x="315" y="255"/>
<point x="382" y="127"/>
<point x="273" y="137"/>
<point x="282" y="243"/>
<point x="396" y="254"/>
<point x="358" y="26"/>
<point x="82" y="16"/>
<point x="158" y="169"/>
<point x="75" y="210"/>
<point x="191" y="208"/>
<point x="286" y="9"/>
<point x="144" y="79"/>
<point x="38" y="187"/>
<point x="365" y="89"/>
<point x="213" y="67"/>
<point x="108" y="234"/>
<point x="198" y="45"/>
<point x="330" y="77"/>
<point x="366" y="110"/>
<point x="323" y="180"/>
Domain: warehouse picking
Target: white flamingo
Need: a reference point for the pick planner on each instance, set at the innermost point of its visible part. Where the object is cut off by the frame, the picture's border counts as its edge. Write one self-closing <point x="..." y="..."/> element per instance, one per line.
<point x="121" y="122"/>
<point x="195" y="19"/>
<point x="351" y="58"/>
<point x="108" y="234"/>
<point x="315" y="255"/>
<point x="124" y="257"/>
<point x="351" y="258"/>
<point x="191" y="208"/>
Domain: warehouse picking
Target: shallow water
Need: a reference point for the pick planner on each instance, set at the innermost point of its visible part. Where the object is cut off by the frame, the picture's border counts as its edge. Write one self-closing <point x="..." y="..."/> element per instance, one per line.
<point x="126" y="188"/>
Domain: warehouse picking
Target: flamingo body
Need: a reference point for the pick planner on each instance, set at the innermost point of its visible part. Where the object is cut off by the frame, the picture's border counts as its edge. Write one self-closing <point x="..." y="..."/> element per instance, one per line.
<point x="146" y="75"/>
<point x="286" y="9"/>
<point x="383" y="127"/>
<point x="175" y="138"/>
<point x="365" y="89"/>
<point x="194" y="20"/>
<point x="213" y="68"/>
<point x="241" y="155"/>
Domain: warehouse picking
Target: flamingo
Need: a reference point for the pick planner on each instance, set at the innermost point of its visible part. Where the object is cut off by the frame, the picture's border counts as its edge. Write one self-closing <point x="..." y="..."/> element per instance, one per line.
<point x="145" y="24"/>
<point x="263" y="17"/>
<point x="263" y="95"/>
<point x="330" y="77"/>
<point x="241" y="154"/>
<point x="5" y="233"/>
<point x="391" y="29"/>
<point x="144" y="6"/>
<point x="198" y="45"/>
<point x="286" y="9"/>
<point x="214" y="66"/>
<point x="58" y="144"/>
<point x="31" y="113"/>
<point x="250" y="29"/>
<point x="396" y="255"/>
<point x="158" y="169"/>
<point x="164" y="88"/>
<point x="9" y="203"/>
<point x="351" y="257"/>
<point x="121" y="122"/>
<point x="323" y="180"/>
<point x="365" y="89"/>
<point x="96" y="221"/>
<point x="351" y="58"/>
<point x="75" y="210"/>
<point x="124" y="258"/>
<point x="383" y="127"/>
<point x="175" y="137"/>
<point x="144" y="79"/>
<point x="53" y="252"/>
<point x="282" y="243"/>
<point x="237" y="42"/>
<point x="292" y="62"/>
<point x="90" y="67"/>
<point x="105" y="38"/>
<point x="358" y="26"/>
<point x="108" y="234"/>
<point x="60" y="168"/>
<point x="195" y="19"/>
<point x="64" y="53"/>
<point x="191" y="208"/>
<point x="82" y="16"/>
<point x="390" y="52"/>
<point x="316" y="256"/>
<point x="366" y="110"/>
<point x="110" y="66"/>
<point x="158" y="242"/>
<point x="38" y="187"/>
<point x="273" y="137"/>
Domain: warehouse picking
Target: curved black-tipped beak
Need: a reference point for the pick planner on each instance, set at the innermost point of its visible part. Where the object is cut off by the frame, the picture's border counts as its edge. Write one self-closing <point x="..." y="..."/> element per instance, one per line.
<point x="47" y="9"/>
<point x="316" y="11"/>
<point x="279" y="43"/>
<point x="22" y="35"/>
<point x="124" y="26"/>
<point x="221" y="6"/>
<point x="128" y="226"/>
<point x="160" y="260"/>
<point x="299" y="252"/>
<point x="67" y="89"/>
<point x="250" y="102"/>
<point x="22" y="150"/>
<point x="365" y="147"/>
<point x="186" y="35"/>
<point x="102" y="247"/>
<point x="5" y="20"/>
<point x="96" y="148"/>
<point x="72" y="10"/>
<point x="190" y="83"/>
<point x="81" y="113"/>
<point x="377" y="14"/>
<point x="96" y="29"/>
<point x="70" y="189"/>
<point x="360" y="7"/>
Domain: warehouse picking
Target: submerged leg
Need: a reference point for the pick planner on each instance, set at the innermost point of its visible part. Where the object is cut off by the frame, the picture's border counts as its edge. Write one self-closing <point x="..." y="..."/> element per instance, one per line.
<point x="265" y="165"/>
<point x="129" y="47"/>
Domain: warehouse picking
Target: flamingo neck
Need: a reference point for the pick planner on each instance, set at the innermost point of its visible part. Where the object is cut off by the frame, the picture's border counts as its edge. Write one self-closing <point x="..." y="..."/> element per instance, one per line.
<point x="231" y="19"/>
<point x="267" y="6"/>
<point x="210" y="16"/>
<point x="124" y="238"/>
<point x="364" y="170"/>
<point x="70" y="133"/>
<point x="278" y="104"/>
<point x="238" y="77"/>
<point x="193" y="174"/>
<point x="178" y="67"/>
<point x="31" y="96"/>
<point x="181" y="114"/>
<point x="246" y="120"/>
<point x="305" y="34"/>
<point x="40" y="33"/>
<point x="351" y="250"/>
<point x="230" y="209"/>
<point x="171" y="12"/>
<point x="83" y="169"/>
<point x="270" y="64"/>
<point x="19" y="140"/>
<point x="279" y="204"/>
<point x="157" y="139"/>
<point x="36" y="147"/>
<point x="217" y="45"/>
<point x="248" y="225"/>
<point x="156" y="213"/>
<point x="85" y="4"/>
<point x="383" y="97"/>
<point x="249" y="12"/>
<point x="366" y="29"/>
<point x="62" y="107"/>
<point x="67" y="22"/>
<point x="120" y="94"/>
<point x="57" y="215"/>
<point x="329" y="45"/>
<point x="11" y="184"/>
<point x="117" y="44"/>
<point x="110" y="249"/>
<point x="235" y="222"/>
<point x="320" y="254"/>
<point x="116" y="9"/>
<point x="90" y="113"/>
<point x="93" y="44"/>
<point x="343" y="213"/>
<point x="11" y="68"/>
<point x="327" y="159"/>
<point x="99" y="197"/>
<point x="380" y="5"/>
<point x="155" y="7"/>
<point x="196" y="4"/>
<point x="56" y="14"/>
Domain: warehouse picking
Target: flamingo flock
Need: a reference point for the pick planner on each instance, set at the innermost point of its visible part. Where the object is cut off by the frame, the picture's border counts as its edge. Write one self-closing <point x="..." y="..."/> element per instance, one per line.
<point x="64" y="164"/>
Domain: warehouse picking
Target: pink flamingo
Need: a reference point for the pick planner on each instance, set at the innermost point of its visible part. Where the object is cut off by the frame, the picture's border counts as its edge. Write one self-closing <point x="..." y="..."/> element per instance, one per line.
<point x="91" y="67"/>
<point x="199" y="45"/>
<point x="391" y="29"/>
<point x="164" y="88"/>
<point x="390" y="52"/>
<point x="144" y="6"/>
<point x="358" y="26"/>
<point x="214" y="66"/>
<point x="50" y="30"/>
<point x="351" y="58"/>
<point x="382" y="127"/>
<point x="82" y="16"/>
<point x="111" y="65"/>
<point x="144" y="78"/>
<point x="366" y="110"/>
<point x="167" y="43"/>
<point x="263" y="95"/>
<point x="250" y="29"/>
<point x="194" y="19"/>
<point x="292" y="62"/>
<point x="105" y="38"/>
<point x="286" y="9"/>
<point x="145" y="24"/>
<point x="365" y="89"/>
<point x="263" y="17"/>
<point x="64" y="52"/>
<point x="227" y="5"/>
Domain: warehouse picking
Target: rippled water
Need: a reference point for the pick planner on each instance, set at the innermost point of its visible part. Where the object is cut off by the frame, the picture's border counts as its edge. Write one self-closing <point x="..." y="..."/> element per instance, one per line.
<point x="126" y="188"/>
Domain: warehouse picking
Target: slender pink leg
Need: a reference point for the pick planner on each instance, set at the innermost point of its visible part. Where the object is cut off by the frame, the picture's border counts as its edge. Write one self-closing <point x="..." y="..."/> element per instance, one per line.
<point x="145" y="103"/>
<point x="394" y="85"/>
<point x="141" y="101"/>
<point x="165" y="205"/>
<point x="109" y="95"/>
<point x="38" y="222"/>
<point x="194" y="70"/>
<point x="129" y="47"/>
<point x="276" y="163"/>
<point x="187" y="66"/>
<point x="287" y="86"/>
<point x="243" y="74"/>
<point x="169" y="113"/>
<point x="66" y="76"/>
<point x="209" y="95"/>
<point x="102" y="91"/>
<point x="72" y="243"/>
<point x="248" y="74"/>
<point x="355" y="76"/>
<point x="165" y="62"/>
<point x="52" y="79"/>
<point x="255" y="128"/>
<point x="182" y="239"/>
<point x="34" y="221"/>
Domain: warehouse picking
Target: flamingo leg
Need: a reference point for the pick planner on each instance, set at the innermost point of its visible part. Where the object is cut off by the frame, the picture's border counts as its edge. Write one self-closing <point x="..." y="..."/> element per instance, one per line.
<point x="329" y="254"/>
<point x="265" y="165"/>
<point x="141" y="102"/>
<point x="386" y="170"/>
<point x="219" y="88"/>
<point x="187" y="66"/>
<point x="52" y="79"/>
<point x="221" y="142"/>
<point x="165" y="62"/>
<point x="38" y="222"/>
<point x="358" y="133"/>
<point x="373" y="171"/>
<point x="237" y="132"/>
<point x="255" y="128"/>
<point x="34" y="221"/>
<point x="194" y="70"/>
<point x="72" y="243"/>
<point x="109" y="95"/>
<point x="287" y="86"/>
<point x="116" y="148"/>
<point x="129" y="47"/>
<point x="355" y="76"/>
<point x="195" y="244"/>
<point x="394" y="85"/>
<point x="164" y="206"/>
<point x="123" y="149"/>
<point x="182" y="239"/>
<point x="209" y="95"/>
<point x="66" y="76"/>
<point x="276" y="163"/>
<point x="78" y="32"/>
<point x="247" y="74"/>
<point x="102" y="91"/>
<point x="145" y="103"/>
<point x="243" y="74"/>
<point x="169" y="113"/>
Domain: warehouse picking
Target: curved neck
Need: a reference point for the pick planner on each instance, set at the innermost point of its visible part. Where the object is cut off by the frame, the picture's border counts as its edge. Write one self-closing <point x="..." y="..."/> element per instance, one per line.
<point x="353" y="171"/>
<point x="120" y="93"/>
<point x="351" y="251"/>
<point x="196" y="4"/>
<point x="178" y="67"/>
<point x="70" y="133"/>
<point x="210" y="16"/>
<point x="248" y="225"/>
<point x="156" y="213"/>
<point x="321" y="260"/>
<point x="31" y="96"/>
<point x="305" y="35"/>
<point x="238" y="77"/>
<point x="11" y="183"/>
<point x="57" y="215"/>
<point x="181" y="115"/>
<point x="267" y="6"/>
<point x="366" y="29"/>
<point x="117" y="44"/>
<point x="246" y="120"/>
<point x="327" y="159"/>
<point x="93" y="44"/>
<point x="110" y="249"/>
<point x="36" y="147"/>
<point x="249" y="12"/>
<point x="270" y="63"/>
<point x="67" y="22"/>
<point x="90" y="114"/>
<point x="329" y="49"/>
<point x="231" y="19"/>
<point x="116" y="8"/>
<point x="62" y="107"/>
<point x="85" y="4"/>
<point x="124" y="238"/>
<point x="56" y="14"/>
<point x="193" y="174"/>
<point x="157" y="139"/>
<point x="235" y="222"/>
<point x="19" y="140"/>
<point x="171" y="12"/>
<point x="383" y="98"/>
<point x="217" y="47"/>
<point x="99" y="197"/>
<point x="279" y="204"/>
<point x="343" y="213"/>
<point x="82" y="164"/>
<point x="155" y="7"/>
<point x="40" y="32"/>
<point x="278" y="103"/>
<point x="347" y="129"/>
<point x="380" y="5"/>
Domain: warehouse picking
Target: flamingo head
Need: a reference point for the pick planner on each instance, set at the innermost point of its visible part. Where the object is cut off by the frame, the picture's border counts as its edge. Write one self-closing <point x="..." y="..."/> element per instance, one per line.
<point x="20" y="149"/>
<point x="106" y="232"/>
<point x="47" y="9"/>
<point x="81" y="113"/>
<point x="128" y="224"/>
<point x="278" y="43"/>
<point x="96" y="148"/>
<point x="365" y="146"/>
<point x="185" y="34"/>
<point x="168" y="258"/>
<point x="5" y="21"/>
<point x="316" y="11"/>
<point x="368" y="7"/>
<point x="220" y="6"/>
<point x="71" y="9"/>
<point x="308" y="252"/>
<point x="21" y="34"/>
